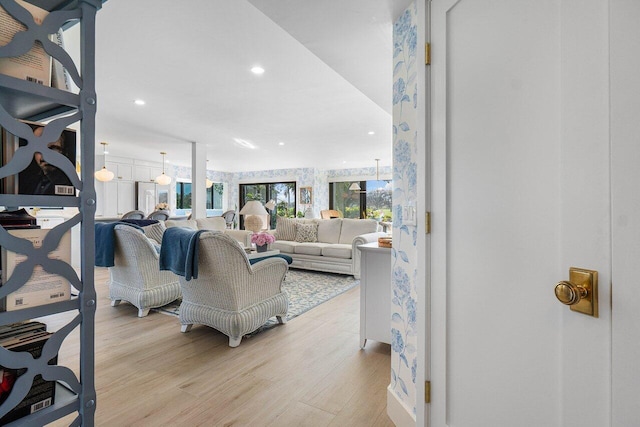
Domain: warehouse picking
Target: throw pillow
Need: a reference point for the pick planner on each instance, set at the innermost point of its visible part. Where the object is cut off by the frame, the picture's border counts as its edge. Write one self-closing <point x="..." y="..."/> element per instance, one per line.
<point x="285" y="228"/>
<point x="306" y="233"/>
<point x="155" y="231"/>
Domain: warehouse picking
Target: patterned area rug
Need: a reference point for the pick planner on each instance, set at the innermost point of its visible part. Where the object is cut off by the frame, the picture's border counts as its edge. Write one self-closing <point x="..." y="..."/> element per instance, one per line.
<point x="305" y="289"/>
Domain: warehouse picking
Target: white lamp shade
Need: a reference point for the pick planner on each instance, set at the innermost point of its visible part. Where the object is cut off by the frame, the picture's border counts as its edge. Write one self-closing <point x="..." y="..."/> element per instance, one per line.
<point x="163" y="179"/>
<point x="208" y="183"/>
<point x="355" y="187"/>
<point x="271" y="204"/>
<point x="253" y="207"/>
<point x="104" y="174"/>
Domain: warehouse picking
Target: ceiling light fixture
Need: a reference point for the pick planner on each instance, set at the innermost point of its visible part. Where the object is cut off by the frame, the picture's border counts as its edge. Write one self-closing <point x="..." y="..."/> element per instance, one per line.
<point x="257" y="70"/>
<point x="139" y="102"/>
<point x="104" y="174"/>
<point x="371" y="132"/>
<point x="207" y="182"/>
<point x="244" y="143"/>
<point x="163" y="179"/>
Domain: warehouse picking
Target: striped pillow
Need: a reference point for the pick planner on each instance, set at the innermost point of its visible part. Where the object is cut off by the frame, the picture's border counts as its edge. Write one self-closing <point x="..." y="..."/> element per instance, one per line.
<point x="155" y="231"/>
<point x="285" y="228"/>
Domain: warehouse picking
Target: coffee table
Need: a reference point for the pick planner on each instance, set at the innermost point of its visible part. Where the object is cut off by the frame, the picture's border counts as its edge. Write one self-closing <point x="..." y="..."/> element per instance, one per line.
<point x="256" y="254"/>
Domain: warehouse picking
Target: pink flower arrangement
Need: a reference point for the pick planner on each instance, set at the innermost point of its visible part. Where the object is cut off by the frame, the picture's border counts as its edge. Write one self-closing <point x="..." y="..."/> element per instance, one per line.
<point x="261" y="239"/>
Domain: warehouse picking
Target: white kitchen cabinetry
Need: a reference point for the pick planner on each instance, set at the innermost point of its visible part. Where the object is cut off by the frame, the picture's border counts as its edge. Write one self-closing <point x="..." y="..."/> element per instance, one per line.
<point x="122" y="171"/>
<point x="375" y="293"/>
<point x="118" y="198"/>
<point x="146" y="173"/>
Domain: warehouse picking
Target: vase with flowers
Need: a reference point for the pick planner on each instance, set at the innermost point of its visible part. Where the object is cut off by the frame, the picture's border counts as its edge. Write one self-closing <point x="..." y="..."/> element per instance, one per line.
<point x="262" y="241"/>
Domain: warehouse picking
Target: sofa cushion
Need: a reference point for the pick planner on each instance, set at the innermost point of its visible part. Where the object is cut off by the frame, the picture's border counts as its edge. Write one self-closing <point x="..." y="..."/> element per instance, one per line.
<point x="355" y="227"/>
<point x="337" y="251"/>
<point x="310" y="248"/>
<point x="155" y="231"/>
<point x="284" y="246"/>
<point x="212" y="223"/>
<point x="329" y="230"/>
<point x="189" y="223"/>
<point x="306" y="232"/>
<point x="285" y="228"/>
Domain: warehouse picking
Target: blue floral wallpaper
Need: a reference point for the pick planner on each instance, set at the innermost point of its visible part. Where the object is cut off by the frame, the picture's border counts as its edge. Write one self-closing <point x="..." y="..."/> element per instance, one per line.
<point x="318" y="179"/>
<point x="404" y="253"/>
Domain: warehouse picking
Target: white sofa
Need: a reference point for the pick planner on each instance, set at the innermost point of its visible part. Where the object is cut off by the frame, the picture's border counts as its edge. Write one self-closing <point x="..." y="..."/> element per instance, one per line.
<point x="213" y="223"/>
<point x="335" y="248"/>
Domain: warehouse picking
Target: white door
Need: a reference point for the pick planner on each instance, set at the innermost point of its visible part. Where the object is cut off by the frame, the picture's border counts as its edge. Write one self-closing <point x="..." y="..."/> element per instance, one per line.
<point x="520" y="193"/>
<point x="625" y="180"/>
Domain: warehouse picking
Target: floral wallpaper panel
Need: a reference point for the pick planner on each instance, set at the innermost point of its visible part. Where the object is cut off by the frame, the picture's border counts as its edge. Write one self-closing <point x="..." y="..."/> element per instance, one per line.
<point x="404" y="253"/>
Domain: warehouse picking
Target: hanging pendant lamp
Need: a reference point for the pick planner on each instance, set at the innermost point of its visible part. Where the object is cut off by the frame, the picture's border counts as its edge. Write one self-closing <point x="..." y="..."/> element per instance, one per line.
<point x="163" y="179"/>
<point x="207" y="182"/>
<point x="104" y="174"/>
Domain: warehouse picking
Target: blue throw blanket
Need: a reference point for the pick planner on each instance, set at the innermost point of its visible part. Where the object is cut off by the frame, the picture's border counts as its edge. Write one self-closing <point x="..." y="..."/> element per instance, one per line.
<point x="105" y="242"/>
<point x="140" y="222"/>
<point x="284" y="257"/>
<point x="179" y="251"/>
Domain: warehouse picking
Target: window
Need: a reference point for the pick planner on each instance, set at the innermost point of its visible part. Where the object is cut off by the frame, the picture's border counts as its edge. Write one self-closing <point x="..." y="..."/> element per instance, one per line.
<point x="183" y="195"/>
<point x="214" y="195"/>
<point x="282" y="193"/>
<point x="374" y="201"/>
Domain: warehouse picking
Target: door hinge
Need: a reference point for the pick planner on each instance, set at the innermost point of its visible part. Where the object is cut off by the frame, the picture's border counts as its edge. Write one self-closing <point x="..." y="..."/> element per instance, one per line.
<point x="427" y="54"/>
<point x="427" y="391"/>
<point x="427" y="223"/>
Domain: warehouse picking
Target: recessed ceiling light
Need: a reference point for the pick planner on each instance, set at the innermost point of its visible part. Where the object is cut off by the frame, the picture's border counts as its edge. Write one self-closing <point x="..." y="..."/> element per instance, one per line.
<point x="139" y="102"/>
<point x="257" y="70"/>
<point x="280" y="143"/>
<point x="371" y="132"/>
<point x="244" y="143"/>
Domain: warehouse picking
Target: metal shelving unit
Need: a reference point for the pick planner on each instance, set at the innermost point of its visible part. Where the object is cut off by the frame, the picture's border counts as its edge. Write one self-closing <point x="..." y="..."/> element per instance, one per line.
<point x="20" y="99"/>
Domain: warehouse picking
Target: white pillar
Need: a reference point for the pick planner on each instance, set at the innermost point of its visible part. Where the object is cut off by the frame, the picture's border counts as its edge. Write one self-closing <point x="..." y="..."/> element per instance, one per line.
<point x="198" y="176"/>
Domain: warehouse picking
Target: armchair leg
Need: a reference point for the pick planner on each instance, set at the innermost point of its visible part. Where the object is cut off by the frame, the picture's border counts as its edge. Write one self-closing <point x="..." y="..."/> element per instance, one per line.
<point x="186" y="328"/>
<point x="234" y="342"/>
<point x="115" y="302"/>
<point x="281" y="319"/>
<point x="142" y="312"/>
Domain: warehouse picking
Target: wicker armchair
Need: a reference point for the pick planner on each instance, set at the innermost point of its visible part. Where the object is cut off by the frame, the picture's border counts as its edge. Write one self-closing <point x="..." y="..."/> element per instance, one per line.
<point x="231" y="295"/>
<point x="161" y="215"/>
<point x="136" y="275"/>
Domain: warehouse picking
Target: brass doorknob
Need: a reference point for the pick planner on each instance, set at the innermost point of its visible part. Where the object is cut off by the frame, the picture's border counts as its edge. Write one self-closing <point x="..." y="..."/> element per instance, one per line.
<point x="570" y="294"/>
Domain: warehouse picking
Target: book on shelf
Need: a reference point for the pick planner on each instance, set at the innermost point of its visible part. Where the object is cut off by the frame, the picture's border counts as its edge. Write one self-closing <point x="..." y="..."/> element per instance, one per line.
<point x="35" y="65"/>
<point x="27" y="337"/>
<point x="42" y="287"/>
<point x="60" y="78"/>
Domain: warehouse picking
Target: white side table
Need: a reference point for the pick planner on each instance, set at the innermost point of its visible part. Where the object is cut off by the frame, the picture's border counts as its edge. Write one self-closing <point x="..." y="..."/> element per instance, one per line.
<point x="375" y="293"/>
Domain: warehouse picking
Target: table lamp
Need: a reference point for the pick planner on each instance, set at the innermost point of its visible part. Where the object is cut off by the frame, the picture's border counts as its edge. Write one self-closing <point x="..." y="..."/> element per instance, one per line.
<point x="252" y="210"/>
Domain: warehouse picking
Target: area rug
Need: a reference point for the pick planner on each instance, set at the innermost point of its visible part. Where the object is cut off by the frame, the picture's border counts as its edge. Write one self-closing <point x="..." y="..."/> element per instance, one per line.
<point x="305" y="289"/>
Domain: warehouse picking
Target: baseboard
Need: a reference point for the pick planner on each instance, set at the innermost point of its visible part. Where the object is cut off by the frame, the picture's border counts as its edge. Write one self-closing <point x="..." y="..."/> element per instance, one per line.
<point x="400" y="415"/>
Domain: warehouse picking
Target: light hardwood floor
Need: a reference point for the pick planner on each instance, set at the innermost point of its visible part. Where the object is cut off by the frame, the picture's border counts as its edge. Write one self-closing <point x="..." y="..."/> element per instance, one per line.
<point x="309" y="372"/>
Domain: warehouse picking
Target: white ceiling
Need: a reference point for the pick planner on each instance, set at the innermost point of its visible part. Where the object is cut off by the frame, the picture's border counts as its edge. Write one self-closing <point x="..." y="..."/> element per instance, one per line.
<point x="328" y="81"/>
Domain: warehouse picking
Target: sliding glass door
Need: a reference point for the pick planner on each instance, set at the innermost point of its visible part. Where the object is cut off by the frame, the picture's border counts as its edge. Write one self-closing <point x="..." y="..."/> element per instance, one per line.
<point x="374" y="200"/>
<point x="282" y="193"/>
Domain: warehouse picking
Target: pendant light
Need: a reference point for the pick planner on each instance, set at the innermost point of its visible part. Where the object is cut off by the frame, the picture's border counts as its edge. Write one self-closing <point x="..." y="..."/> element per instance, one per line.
<point x="163" y="179"/>
<point x="104" y="174"/>
<point x="207" y="182"/>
